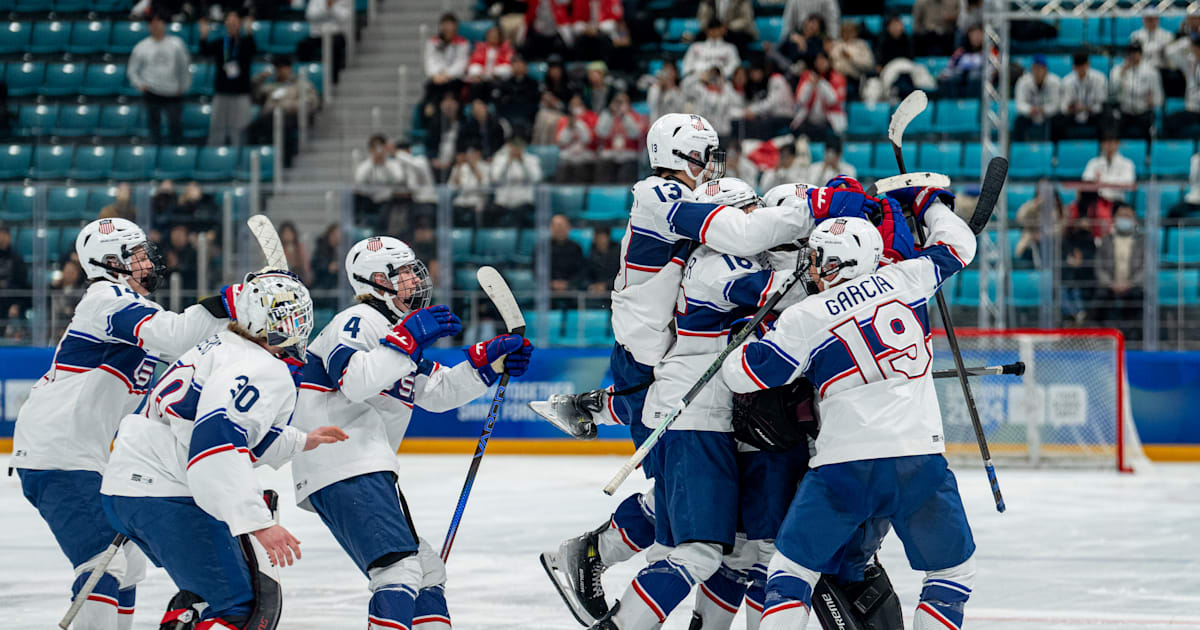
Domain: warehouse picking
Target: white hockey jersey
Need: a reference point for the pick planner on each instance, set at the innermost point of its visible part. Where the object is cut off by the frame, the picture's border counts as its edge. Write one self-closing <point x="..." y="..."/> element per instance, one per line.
<point x="221" y="409"/>
<point x="664" y="223"/>
<point x="717" y="289"/>
<point x="353" y="381"/>
<point x="866" y="346"/>
<point x="101" y="370"/>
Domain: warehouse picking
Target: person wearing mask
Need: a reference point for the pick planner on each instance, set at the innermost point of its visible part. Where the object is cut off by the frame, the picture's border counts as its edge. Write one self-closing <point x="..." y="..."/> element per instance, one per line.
<point x="1083" y="93"/>
<point x="1110" y="167"/>
<point x="377" y="180"/>
<point x="471" y="178"/>
<point x="962" y="77"/>
<point x="738" y="18"/>
<point x="576" y="139"/>
<point x="1038" y="96"/>
<point x="1137" y="87"/>
<point x="1120" y="273"/>
<point x="232" y="54"/>
<point x="159" y="69"/>
<point x="335" y="17"/>
<point x="489" y="64"/>
<point x="441" y="136"/>
<point x="714" y="98"/>
<point x="933" y="27"/>
<point x="796" y="12"/>
<point x="619" y="133"/>
<point x="664" y="95"/>
<point x="515" y="172"/>
<point x="713" y="51"/>
<point x="600" y="86"/>
<point x="831" y="165"/>
<point x="547" y="29"/>
<point x="446" y="57"/>
<point x="517" y="95"/>
<point x="820" y="102"/>
<point x="604" y="262"/>
<point x="481" y="130"/>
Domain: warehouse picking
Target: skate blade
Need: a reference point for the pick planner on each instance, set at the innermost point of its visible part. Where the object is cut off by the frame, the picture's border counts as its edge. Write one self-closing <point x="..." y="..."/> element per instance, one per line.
<point x="545" y="409"/>
<point x="550" y="563"/>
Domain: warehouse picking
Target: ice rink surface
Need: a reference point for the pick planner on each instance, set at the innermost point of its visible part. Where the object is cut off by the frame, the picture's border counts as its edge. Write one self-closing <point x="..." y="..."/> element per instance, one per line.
<point x="1075" y="550"/>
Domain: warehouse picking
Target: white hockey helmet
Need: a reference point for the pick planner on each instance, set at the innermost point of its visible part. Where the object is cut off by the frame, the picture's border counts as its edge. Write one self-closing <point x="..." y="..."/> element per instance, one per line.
<point x="107" y="249"/>
<point x="837" y="242"/>
<point x="787" y="195"/>
<point x="728" y="191"/>
<point x="274" y="306"/>
<point x="677" y="141"/>
<point x="386" y="268"/>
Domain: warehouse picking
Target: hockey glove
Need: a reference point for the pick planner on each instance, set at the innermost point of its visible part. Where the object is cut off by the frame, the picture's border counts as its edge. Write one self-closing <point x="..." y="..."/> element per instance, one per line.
<point x="221" y="304"/>
<point x="828" y="203"/>
<point x="421" y="328"/>
<point x="843" y="182"/>
<point x="898" y="242"/>
<point x="517" y="361"/>
<point x="486" y="355"/>
<point x="919" y="199"/>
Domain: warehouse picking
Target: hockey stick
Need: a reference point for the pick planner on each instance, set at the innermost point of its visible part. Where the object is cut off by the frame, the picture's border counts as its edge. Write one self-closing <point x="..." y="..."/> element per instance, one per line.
<point x="914" y="104"/>
<point x="497" y="290"/>
<point x="268" y="239"/>
<point x="85" y="591"/>
<point x="1015" y="369"/>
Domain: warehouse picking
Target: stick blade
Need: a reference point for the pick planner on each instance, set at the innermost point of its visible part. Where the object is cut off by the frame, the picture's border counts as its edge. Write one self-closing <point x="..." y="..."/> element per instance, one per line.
<point x="989" y="193"/>
<point x="906" y="111"/>
<point x="268" y="239"/>
<point x="497" y="290"/>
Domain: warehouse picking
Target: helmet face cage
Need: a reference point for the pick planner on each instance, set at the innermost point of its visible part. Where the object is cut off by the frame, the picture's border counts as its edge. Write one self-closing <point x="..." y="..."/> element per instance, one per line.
<point x="415" y="289"/>
<point x="289" y="323"/>
<point x="122" y="265"/>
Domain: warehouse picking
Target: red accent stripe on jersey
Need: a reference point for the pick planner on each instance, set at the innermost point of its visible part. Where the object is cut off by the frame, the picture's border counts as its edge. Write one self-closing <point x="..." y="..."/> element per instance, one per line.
<point x="407" y="404"/>
<point x="121" y="377"/>
<point x="613" y="412"/>
<point x="753" y="604"/>
<point x="70" y="368"/>
<point x="746" y="367"/>
<point x="885" y="355"/>
<point x="642" y="267"/>
<point x="782" y="607"/>
<point x="217" y="449"/>
<point x="937" y="616"/>
<point x="316" y="388"/>
<point x="124" y="611"/>
<point x="762" y="297"/>
<point x="953" y="252"/>
<point x="717" y="600"/>
<point x="103" y="599"/>
<point x="431" y="618"/>
<point x="386" y="623"/>
<point x="708" y="222"/>
<point x="138" y="328"/>
<point x="649" y="602"/>
<point x="696" y="333"/>
<point x="628" y="543"/>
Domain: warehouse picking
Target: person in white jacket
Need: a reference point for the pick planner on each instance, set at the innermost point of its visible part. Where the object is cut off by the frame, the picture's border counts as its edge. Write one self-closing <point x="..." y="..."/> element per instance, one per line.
<point x="713" y="51"/>
<point x="365" y="373"/>
<point x="1083" y="93"/>
<point x="446" y="58"/>
<point x="101" y="370"/>
<point x="335" y="17"/>
<point x="1138" y="89"/>
<point x="1039" y="99"/>
<point x="515" y="171"/>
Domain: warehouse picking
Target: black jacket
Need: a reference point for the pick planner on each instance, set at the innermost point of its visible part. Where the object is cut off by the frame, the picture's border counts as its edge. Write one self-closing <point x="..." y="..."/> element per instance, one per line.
<point x="241" y="49"/>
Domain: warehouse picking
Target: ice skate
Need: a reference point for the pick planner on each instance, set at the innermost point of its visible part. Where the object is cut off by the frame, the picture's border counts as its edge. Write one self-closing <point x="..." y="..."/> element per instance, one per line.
<point x="572" y="413"/>
<point x="575" y="570"/>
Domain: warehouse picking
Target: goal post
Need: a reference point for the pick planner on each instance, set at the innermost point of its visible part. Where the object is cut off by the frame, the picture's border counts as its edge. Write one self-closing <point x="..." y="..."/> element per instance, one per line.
<point x="1069" y="409"/>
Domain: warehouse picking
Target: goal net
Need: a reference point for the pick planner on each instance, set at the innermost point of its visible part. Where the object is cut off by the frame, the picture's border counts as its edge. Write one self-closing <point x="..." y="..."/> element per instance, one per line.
<point x="1070" y="408"/>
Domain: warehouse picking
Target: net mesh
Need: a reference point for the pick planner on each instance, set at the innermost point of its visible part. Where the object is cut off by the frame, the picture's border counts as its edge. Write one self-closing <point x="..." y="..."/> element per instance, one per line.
<point x="1066" y="410"/>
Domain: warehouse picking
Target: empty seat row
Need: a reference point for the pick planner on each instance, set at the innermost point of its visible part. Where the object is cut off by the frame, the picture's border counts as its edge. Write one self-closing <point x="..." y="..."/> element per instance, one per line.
<point x="106" y="36"/>
<point x="65" y="6"/>
<point x="128" y="163"/>
<point x="61" y="79"/>
<point x="104" y="120"/>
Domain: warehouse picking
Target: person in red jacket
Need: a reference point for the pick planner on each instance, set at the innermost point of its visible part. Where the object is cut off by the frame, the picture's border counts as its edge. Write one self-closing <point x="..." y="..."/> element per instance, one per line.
<point x="547" y="29"/>
<point x="490" y="63"/>
<point x="619" y="132"/>
<point x="820" y="101"/>
<point x="576" y="140"/>
<point x="595" y="27"/>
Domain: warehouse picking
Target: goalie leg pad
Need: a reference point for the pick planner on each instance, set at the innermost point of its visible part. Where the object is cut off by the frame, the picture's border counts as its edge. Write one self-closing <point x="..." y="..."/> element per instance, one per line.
<point x="630" y="530"/>
<point x="943" y="597"/>
<point x="789" y="594"/>
<point x="394" y="594"/>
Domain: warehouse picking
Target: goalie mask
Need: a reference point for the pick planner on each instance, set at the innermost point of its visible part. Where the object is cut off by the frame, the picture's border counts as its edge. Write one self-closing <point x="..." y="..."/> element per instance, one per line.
<point x="117" y="250"/>
<point x="685" y="142"/>
<point x="728" y="191"/>
<point x="275" y="307"/>
<point x="386" y="269"/>
<point x="843" y="249"/>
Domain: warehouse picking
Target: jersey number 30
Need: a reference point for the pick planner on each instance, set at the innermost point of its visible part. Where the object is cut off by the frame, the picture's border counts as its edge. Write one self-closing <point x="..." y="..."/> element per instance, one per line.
<point x="906" y="352"/>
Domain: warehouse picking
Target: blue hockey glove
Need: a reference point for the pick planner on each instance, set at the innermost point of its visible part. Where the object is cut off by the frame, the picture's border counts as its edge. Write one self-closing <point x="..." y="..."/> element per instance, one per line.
<point x="517" y="361"/>
<point x="845" y="182"/>
<point x="898" y="241"/>
<point x="920" y="198"/>
<point x="421" y="328"/>
<point x="485" y="354"/>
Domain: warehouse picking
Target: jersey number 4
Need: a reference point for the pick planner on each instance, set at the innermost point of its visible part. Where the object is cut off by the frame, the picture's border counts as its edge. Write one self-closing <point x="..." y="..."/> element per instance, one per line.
<point x="906" y="351"/>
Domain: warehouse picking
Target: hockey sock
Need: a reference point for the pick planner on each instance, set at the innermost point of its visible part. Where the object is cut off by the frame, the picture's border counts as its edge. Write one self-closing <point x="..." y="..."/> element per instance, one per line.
<point x="431" y="612"/>
<point x="630" y="530"/>
<point x="393" y="595"/>
<point x="756" y="595"/>
<point x="99" y="612"/>
<point x="789" y="594"/>
<point x="125" y="600"/>
<point x="718" y="598"/>
<point x="660" y="587"/>
<point x="943" y="597"/>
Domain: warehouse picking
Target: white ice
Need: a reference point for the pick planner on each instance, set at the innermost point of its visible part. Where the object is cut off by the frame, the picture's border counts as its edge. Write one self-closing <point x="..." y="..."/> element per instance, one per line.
<point x="1075" y="550"/>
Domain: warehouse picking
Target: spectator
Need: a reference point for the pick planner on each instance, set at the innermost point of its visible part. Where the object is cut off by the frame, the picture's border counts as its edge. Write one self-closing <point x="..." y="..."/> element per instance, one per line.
<point x="1110" y="167"/>
<point x="771" y="103"/>
<point x="595" y="26"/>
<point x="326" y="266"/>
<point x="622" y="58"/>
<point x="446" y="58"/>
<point x="820" y="102"/>
<point x="568" y="267"/>
<point x="1138" y="90"/>
<point x="545" y="123"/>
<point x="441" y="136"/>
<point x="122" y="205"/>
<point x="736" y="15"/>
<point x="68" y="289"/>
<point x="665" y="96"/>
<point x="1084" y="92"/>
<point x="619" y="133"/>
<point x="789" y="169"/>
<point x="933" y="27"/>
<point x="604" y="262"/>
<point x="830" y="166"/>
<point x="1185" y="124"/>
<point x="515" y="172"/>
<point x="1028" y="250"/>
<point x="713" y="51"/>
<point x="797" y="12"/>
<point x="963" y="77"/>
<point x="512" y="18"/>
<point x="742" y="168"/>
<point x="489" y="64"/>
<point x="481" y="130"/>
<point x="1078" y="271"/>
<point x="158" y="68"/>
<point x="470" y="178"/>
<point x="335" y="17"/>
<point x="1038" y="97"/>
<point x="421" y="200"/>
<point x="894" y="44"/>
<point x="517" y="95"/>
<point x="198" y="211"/>
<point x="377" y="179"/>
<point x="852" y="57"/>
<point x="970" y="13"/>
<point x="297" y="257"/>
<point x="547" y="29"/>
<point x="14" y="284"/>
<point x="1190" y="206"/>
<point x="232" y="54"/>
<point x="1152" y="39"/>
<point x="1121" y="271"/>
<point x="715" y="99"/>
<point x="284" y="91"/>
<point x="804" y="44"/>
<point x="575" y="137"/>
<point x="1189" y="27"/>
<point x="558" y="82"/>
<point x="600" y="86"/>
<point x="181" y="257"/>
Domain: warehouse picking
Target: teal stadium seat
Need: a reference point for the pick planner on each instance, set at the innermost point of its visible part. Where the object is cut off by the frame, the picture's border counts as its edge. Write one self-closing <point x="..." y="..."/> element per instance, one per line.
<point x="261" y="30"/>
<point x="858" y="154"/>
<point x="15" y="161"/>
<point x="1059" y="65"/>
<point x="971" y="162"/>
<point x="78" y="120"/>
<point x="607" y="203"/>
<point x="617" y="234"/>
<point x="1177" y="287"/>
<point x="884" y="161"/>
<point x="1167" y="197"/>
<point x="52" y="161"/>
<point x="24" y="79"/>
<point x="36" y="120"/>
<point x="867" y="120"/>
<point x="202" y="79"/>
<point x="98" y="198"/>
<point x="285" y="36"/>
<point x="18" y="203"/>
<point x="266" y="155"/>
<point x="1073" y="156"/>
<point x="582" y="236"/>
<point x="14" y="38"/>
<point x="92" y="163"/>
<point x="89" y="37"/>
<point x="461" y="240"/>
<point x="526" y="244"/>
<point x="23" y="242"/>
<point x="935" y="65"/>
<point x="676" y="27"/>
<point x="67" y="202"/>
<point x="1018" y="194"/>
<point x="537" y="70"/>
<point x="475" y="30"/>
<point x="126" y="35"/>
<point x="592" y="327"/>
<point x="495" y="245"/>
<point x="547" y="155"/>
<point x="521" y="282"/>
<point x="66" y="239"/>
<point x="1030" y="160"/>
<point x="186" y="32"/>
<point x="315" y="75"/>
<point x="1182" y="245"/>
<point x="464" y="278"/>
<point x="175" y="163"/>
<point x="1121" y="28"/>
<point x="872" y="24"/>
<point x="195" y="120"/>
<point x="32" y="6"/>
<point x="118" y="120"/>
<point x="923" y="124"/>
<point x="62" y="79"/>
<point x="939" y="157"/>
<point x="216" y="164"/>
<point x="133" y="162"/>
<point x="110" y="6"/>
<point x="1070" y="31"/>
<point x="50" y="37"/>
<point x="1171" y="158"/>
<point x="568" y="200"/>
<point x="1135" y="150"/>
<point x="770" y="29"/>
<point x="816" y="151"/>
<point x="958" y="117"/>
<point x="53" y="243"/>
<point x="103" y="79"/>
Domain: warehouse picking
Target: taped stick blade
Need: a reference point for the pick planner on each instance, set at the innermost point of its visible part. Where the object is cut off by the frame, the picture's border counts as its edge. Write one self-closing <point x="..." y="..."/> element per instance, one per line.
<point x="497" y="290"/>
<point x="906" y="111"/>
<point x="268" y="239"/>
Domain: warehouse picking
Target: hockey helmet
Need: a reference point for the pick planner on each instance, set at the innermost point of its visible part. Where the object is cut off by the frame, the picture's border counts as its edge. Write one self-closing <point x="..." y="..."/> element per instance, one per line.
<point x="387" y="268"/>
<point x="787" y="195"/>
<point x="845" y="248"/>
<point x="728" y="191"/>
<point x="117" y="250"/>
<point x="686" y="142"/>
<point x="275" y="307"/>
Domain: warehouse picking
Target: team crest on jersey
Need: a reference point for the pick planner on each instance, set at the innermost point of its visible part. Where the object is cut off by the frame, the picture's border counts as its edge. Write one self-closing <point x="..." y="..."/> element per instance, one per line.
<point x="374" y="244"/>
<point x="106" y="226"/>
<point x="839" y="226"/>
<point x="697" y="123"/>
<point x="712" y="189"/>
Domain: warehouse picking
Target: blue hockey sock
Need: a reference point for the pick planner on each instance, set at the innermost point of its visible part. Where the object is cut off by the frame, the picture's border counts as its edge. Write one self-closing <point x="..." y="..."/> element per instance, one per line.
<point x="104" y="593"/>
<point x="725" y="588"/>
<point x="785" y="592"/>
<point x="125" y="600"/>
<point x="662" y="586"/>
<point x="756" y="592"/>
<point x="635" y="521"/>
<point x="391" y="607"/>
<point x="944" y="601"/>
<point x="431" y="607"/>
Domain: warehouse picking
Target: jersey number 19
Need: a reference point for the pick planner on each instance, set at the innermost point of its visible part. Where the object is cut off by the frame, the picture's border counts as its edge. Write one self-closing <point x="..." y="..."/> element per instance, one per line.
<point x="905" y="348"/>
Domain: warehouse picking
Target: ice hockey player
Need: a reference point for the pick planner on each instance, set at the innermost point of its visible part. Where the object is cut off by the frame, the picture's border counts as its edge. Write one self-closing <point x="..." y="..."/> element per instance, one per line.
<point x="665" y="223"/>
<point x="100" y="372"/>
<point x="863" y="340"/>
<point x="180" y="482"/>
<point x="365" y="374"/>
